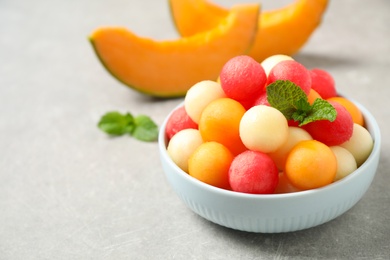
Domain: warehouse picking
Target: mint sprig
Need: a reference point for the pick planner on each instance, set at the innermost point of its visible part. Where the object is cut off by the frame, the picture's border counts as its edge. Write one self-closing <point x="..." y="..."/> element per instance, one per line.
<point x="145" y="129"/>
<point x="292" y="101"/>
<point x="141" y="127"/>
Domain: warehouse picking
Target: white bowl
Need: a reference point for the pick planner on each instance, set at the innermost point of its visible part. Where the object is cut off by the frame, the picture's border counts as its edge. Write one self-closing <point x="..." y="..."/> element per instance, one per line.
<point x="276" y="212"/>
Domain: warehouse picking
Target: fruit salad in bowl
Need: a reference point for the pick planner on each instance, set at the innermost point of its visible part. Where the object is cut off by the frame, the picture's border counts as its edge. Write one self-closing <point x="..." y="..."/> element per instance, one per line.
<point x="269" y="147"/>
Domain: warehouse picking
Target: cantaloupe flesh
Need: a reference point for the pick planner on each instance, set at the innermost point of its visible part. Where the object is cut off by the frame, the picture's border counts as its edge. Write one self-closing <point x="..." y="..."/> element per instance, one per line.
<point x="206" y="14"/>
<point x="170" y="68"/>
<point x="281" y="31"/>
<point x="285" y="31"/>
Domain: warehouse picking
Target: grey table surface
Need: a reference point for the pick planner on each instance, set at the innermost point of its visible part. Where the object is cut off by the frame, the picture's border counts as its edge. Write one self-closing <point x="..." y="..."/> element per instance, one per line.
<point x="68" y="191"/>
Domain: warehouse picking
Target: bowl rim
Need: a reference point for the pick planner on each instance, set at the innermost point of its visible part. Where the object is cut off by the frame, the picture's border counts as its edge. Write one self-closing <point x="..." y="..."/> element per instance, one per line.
<point x="371" y="125"/>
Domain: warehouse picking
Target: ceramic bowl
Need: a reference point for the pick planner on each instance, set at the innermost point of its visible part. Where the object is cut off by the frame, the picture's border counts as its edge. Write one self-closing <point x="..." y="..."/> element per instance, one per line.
<point x="273" y="213"/>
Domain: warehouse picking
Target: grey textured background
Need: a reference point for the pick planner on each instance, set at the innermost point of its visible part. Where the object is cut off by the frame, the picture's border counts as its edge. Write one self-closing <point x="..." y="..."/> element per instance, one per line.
<point x="68" y="191"/>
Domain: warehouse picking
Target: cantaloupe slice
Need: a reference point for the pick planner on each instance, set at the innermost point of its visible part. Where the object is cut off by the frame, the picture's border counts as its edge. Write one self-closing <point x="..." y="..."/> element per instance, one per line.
<point x="281" y="31"/>
<point x="170" y="68"/>
<point x="185" y="12"/>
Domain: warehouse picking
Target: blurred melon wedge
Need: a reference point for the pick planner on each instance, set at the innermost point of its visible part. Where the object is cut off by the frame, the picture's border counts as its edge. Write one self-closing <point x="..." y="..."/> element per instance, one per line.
<point x="281" y="31"/>
<point x="169" y="68"/>
<point x="193" y="16"/>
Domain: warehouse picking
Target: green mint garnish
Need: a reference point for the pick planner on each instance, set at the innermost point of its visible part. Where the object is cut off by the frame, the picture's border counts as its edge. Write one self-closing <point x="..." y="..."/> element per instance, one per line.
<point x="292" y="101"/>
<point x="114" y="123"/>
<point x="140" y="127"/>
<point x="145" y="129"/>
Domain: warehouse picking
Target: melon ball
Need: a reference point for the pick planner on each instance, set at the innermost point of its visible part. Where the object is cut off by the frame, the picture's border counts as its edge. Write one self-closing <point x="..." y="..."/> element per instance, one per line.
<point x="346" y="163"/>
<point x="182" y="145"/>
<point x="261" y="100"/>
<point x="295" y="135"/>
<point x="284" y="185"/>
<point x="242" y="78"/>
<point x="292" y="122"/>
<point x="357" y="115"/>
<point x="332" y="133"/>
<point x="263" y="128"/>
<point x="360" y="144"/>
<point x="179" y="120"/>
<point x="253" y="172"/>
<point x="210" y="163"/>
<point x="323" y="83"/>
<point x="293" y="71"/>
<point x="199" y="96"/>
<point x="271" y="61"/>
<point x="313" y="96"/>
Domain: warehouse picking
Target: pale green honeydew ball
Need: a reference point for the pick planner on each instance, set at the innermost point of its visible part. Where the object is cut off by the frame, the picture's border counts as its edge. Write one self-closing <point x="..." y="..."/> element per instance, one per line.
<point x="199" y="96"/>
<point x="346" y="163"/>
<point x="360" y="144"/>
<point x="271" y="61"/>
<point x="295" y="135"/>
<point x="263" y="128"/>
<point x="182" y="145"/>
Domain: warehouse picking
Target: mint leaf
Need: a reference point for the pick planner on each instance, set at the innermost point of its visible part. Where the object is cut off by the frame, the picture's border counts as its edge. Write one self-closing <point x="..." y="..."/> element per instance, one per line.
<point x="283" y="95"/>
<point x="292" y="101"/>
<point x="145" y="129"/>
<point x="303" y="108"/>
<point x="320" y="110"/>
<point x="141" y="127"/>
<point x="114" y="123"/>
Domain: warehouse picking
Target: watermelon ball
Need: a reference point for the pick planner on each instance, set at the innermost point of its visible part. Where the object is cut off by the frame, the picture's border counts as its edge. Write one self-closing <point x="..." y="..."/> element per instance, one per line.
<point x="178" y="121"/>
<point x="247" y="104"/>
<point x="243" y="79"/>
<point x="323" y="83"/>
<point x="253" y="172"/>
<point x="332" y="133"/>
<point x="293" y="71"/>
<point x="292" y="122"/>
<point x="261" y="100"/>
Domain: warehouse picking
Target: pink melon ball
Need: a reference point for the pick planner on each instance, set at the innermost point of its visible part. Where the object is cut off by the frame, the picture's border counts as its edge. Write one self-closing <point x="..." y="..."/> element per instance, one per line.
<point x="292" y="122"/>
<point x="253" y="172"/>
<point x="293" y="71"/>
<point x="332" y="133"/>
<point x="261" y="100"/>
<point x="247" y="104"/>
<point x="323" y="83"/>
<point x="242" y="78"/>
<point x="179" y="120"/>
